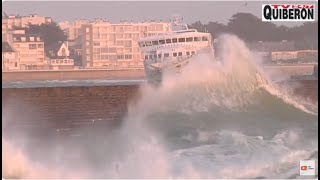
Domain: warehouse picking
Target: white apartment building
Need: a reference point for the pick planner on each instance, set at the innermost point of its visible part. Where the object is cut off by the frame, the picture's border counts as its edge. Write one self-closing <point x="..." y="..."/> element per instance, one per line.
<point x="31" y="51"/>
<point x="108" y="45"/>
<point x="9" y="22"/>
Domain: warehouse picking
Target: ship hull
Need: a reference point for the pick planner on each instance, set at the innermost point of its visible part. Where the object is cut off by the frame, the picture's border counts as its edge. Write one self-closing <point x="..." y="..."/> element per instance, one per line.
<point x="154" y="71"/>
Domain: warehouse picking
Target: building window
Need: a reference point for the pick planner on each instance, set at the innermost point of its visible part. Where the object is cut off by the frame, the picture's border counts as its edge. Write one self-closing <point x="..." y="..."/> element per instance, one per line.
<point x="182" y="39"/>
<point x="104" y="57"/>
<point x="197" y="38"/>
<point x="188" y="53"/>
<point x="96" y="44"/>
<point x="174" y="40"/>
<point x="146" y="57"/>
<point x="192" y="52"/>
<point x="159" y="55"/>
<point x="15" y="64"/>
<point x="128" y="56"/>
<point x="204" y="38"/>
<point x="174" y="54"/>
<point x="141" y="44"/>
<point x="119" y="43"/>
<point x="162" y="42"/>
<point x="112" y="50"/>
<point x="180" y="54"/>
<point x="189" y="39"/>
<point x="96" y="50"/>
<point x="32" y="46"/>
<point x="168" y="41"/>
<point x="40" y="45"/>
<point x="120" y="56"/>
<point x="155" y="43"/>
<point x="97" y="57"/>
<point x="127" y="36"/>
<point x="113" y="57"/>
<point x="127" y="50"/>
<point x="104" y="50"/>
<point x="127" y="43"/>
<point x="119" y="36"/>
<point x="166" y="55"/>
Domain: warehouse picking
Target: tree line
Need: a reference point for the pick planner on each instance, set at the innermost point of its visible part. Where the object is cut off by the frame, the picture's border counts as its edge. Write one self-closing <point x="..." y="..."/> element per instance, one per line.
<point x="252" y="29"/>
<point x="245" y="25"/>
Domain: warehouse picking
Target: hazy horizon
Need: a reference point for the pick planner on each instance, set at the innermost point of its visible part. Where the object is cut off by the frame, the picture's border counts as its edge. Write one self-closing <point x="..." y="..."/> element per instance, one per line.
<point x="138" y="11"/>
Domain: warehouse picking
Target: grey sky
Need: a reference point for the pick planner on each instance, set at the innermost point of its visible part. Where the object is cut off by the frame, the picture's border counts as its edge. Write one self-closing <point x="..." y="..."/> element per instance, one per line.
<point x="191" y="11"/>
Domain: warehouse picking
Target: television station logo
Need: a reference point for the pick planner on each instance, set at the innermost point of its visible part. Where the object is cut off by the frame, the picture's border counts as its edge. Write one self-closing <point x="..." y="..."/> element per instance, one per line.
<point x="307" y="167"/>
<point x="288" y="12"/>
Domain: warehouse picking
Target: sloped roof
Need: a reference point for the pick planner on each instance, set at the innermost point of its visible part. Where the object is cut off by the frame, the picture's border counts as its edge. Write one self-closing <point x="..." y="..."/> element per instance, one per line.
<point x="53" y="48"/>
<point x="6" y="47"/>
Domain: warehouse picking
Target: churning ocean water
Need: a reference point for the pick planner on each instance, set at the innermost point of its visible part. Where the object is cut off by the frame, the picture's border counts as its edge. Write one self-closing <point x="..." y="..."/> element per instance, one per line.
<point x="216" y="119"/>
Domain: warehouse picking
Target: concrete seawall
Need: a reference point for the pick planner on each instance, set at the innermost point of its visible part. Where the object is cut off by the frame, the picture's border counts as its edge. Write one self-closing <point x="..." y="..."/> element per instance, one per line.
<point x="75" y="107"/>
<point x="72" y="75"/>
<point x="65" y="107"/>
<point x="289" y="70"/>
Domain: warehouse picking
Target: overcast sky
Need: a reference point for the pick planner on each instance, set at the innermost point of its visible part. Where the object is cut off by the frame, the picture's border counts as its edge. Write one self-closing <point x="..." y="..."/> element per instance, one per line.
<point x="191" y="11"/>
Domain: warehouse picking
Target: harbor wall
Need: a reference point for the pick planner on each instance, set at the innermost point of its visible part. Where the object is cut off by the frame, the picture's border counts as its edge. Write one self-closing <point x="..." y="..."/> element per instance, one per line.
<point x="73" y="75"/>
<point x="290" y="70"/>
<point x="75" y="107"/>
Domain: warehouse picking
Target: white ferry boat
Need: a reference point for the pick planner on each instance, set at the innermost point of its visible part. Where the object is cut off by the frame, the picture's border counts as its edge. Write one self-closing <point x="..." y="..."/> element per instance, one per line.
<point x="173" y="50"/>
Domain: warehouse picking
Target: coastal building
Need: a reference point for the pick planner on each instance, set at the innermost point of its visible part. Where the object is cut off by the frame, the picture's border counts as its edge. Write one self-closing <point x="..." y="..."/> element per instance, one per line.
<point x="9" y="22"/>
<point x="10" y="59"/>
<point x="272" y="46"/>
<point x="73" y="29"/>
<point x="295" y="56"/>
<point x="58" y="55"/>
<point x="111" y="45"/>
<point x="30" y="48"/>
<point x="76" y="54"/>
<point x="272" y="51"/>
<point x="308" y="55"/>
<point x="284" y="55"/>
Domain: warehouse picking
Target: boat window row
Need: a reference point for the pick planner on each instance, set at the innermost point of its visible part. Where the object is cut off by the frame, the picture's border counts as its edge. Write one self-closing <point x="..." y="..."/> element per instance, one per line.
<point x="175" y="54"/>
<point x="173" y="40"/>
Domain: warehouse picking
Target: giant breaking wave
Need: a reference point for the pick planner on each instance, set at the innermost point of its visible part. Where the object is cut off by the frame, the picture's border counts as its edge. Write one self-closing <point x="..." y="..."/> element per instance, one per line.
<point x="217" y="119"/>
